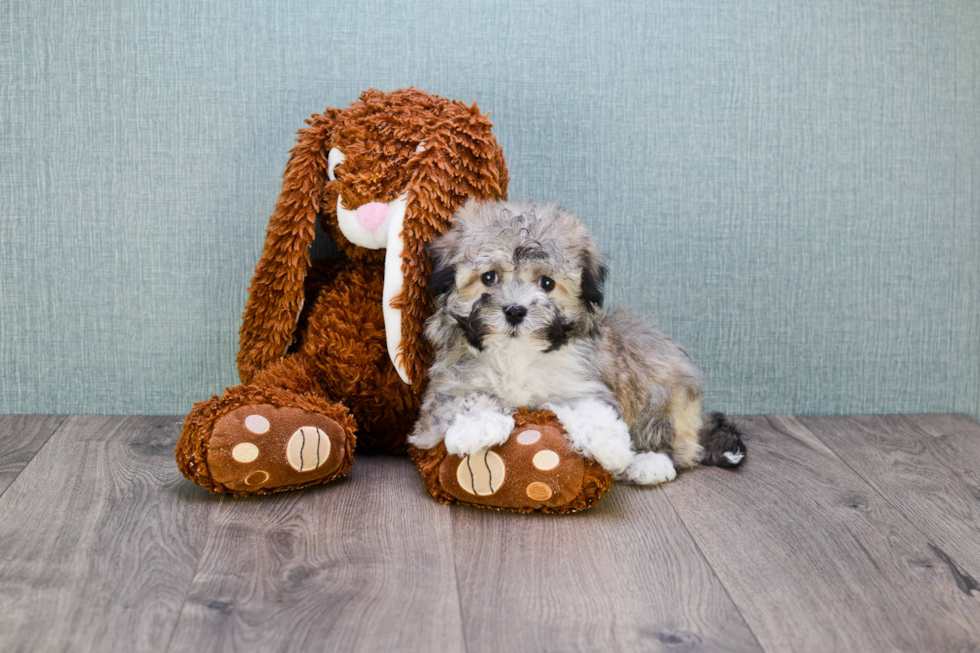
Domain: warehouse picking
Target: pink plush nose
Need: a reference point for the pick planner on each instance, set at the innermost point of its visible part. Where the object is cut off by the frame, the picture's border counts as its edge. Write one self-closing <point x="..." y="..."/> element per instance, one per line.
<point x="372" y="215"/>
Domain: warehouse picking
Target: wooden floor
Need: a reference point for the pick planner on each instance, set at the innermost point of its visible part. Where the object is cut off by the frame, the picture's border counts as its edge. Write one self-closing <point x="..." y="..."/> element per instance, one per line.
<point x="838" y="534"/>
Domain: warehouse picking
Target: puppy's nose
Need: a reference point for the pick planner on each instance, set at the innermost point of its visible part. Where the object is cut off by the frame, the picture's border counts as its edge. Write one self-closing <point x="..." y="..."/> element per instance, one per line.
<point x="515" y="314"/>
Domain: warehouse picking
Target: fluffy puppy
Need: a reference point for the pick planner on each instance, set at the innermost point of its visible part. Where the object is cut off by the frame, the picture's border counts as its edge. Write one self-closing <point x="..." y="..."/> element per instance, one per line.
<point x="519" y="322"/>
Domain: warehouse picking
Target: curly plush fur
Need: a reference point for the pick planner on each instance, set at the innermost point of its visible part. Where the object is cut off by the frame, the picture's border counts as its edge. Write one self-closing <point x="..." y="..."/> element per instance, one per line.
<point x="435" y="153"/>
<point x="519" y="323"/>
<point x="380" y="138"/>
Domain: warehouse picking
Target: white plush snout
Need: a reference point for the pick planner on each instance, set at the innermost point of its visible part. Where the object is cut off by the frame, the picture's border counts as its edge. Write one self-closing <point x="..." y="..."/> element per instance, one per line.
<point x="365" y="227"/>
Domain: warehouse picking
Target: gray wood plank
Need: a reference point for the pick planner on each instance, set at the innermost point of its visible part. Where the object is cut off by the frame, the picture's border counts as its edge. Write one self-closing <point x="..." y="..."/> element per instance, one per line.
<point x="99" y="539"/>
<point x="928" y="467"/>
<point x="815" y="558"/>
<point x="361" y="564"/>
<point x="624" y="576"/>
<point x="21" y="436"/>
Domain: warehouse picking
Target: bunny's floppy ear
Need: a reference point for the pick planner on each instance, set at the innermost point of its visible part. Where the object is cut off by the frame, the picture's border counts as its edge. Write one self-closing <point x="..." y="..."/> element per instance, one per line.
<point x="275" y="297"/>
<point x="461" y="160"/>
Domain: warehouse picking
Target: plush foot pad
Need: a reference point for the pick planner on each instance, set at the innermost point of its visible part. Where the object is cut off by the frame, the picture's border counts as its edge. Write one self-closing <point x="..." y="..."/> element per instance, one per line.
<point x="263" y="448"/>
<point x="533" y="471"/>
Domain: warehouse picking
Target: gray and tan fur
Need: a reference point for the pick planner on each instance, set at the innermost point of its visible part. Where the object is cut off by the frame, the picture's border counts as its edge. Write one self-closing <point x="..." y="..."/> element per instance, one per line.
<point x="519" y="322"/>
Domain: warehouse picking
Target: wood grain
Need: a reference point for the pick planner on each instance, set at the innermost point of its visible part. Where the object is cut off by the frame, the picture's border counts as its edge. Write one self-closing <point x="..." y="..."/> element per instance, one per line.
<point x="624" y="576"/>
<point x="100" y="538"/>
<point x="815" y="558"/>
<point x="860" y="534"/>
<point x="21" y="436"/>
<point x="928" y="467"/>
<point x="361" y="564"/>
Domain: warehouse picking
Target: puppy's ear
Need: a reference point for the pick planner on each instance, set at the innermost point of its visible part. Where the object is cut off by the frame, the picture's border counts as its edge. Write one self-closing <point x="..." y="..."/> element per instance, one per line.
<point x="442" y="279"/>
<point x="443" y="276"/>
<point x="593" y="278"/>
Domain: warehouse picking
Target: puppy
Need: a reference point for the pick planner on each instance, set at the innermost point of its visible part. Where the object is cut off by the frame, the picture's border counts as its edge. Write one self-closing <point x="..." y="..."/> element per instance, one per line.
<point x="519" y="321"/>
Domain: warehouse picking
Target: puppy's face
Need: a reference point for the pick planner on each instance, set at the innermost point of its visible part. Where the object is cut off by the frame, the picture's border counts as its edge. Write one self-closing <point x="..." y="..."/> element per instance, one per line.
<point x="514" y="271"/>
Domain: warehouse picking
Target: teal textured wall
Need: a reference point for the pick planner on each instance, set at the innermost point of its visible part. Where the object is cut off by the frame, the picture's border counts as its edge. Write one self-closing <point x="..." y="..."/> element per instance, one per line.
<point x="791" y="189"/>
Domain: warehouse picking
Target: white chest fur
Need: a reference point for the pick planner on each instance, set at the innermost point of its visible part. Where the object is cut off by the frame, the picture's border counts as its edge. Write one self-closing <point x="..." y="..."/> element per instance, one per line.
<point x="520" y="375"/>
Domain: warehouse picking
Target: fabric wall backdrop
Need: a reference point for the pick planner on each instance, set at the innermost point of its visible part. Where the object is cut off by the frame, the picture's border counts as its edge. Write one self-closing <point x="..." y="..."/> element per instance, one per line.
<point x="792" y="190"/>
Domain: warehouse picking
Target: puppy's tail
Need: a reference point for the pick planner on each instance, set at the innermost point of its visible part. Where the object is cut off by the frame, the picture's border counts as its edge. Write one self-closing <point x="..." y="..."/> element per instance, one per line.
<point x="721" y="442"/>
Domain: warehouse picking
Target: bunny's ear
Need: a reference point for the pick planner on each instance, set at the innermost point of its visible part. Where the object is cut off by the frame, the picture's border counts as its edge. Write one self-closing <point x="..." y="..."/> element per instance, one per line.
<point x="460" y="161"/>
<point x="275" y="297"/>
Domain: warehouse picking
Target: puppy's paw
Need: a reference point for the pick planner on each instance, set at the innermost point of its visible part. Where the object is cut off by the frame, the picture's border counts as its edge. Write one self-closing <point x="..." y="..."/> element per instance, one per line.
<point x="596" y="429"/>
<point x="474" y="431"/>
<point x="649" y="468"/>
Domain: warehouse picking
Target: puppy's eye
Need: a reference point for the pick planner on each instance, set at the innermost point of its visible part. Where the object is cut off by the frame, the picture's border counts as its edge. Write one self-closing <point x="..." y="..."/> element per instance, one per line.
<point x="547" y="284"/>
<point x="489" y="278"/>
